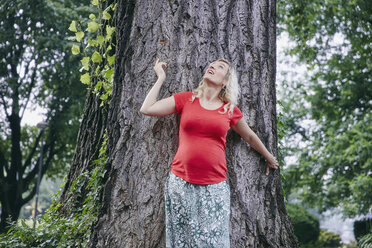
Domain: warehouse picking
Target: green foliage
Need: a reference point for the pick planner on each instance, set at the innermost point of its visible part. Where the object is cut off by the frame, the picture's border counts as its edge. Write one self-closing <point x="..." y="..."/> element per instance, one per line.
<point x="306" y="226"/>
<point x="56" y="230"/>
<point x="282" y="151"/>
<point x="328" y="239"/>
<point x="332" y="38"/>
<point x="48" y="187"/>
<point x="362" y="227"/>
<point x="33" y="38"/>
<point x="325" y="240"/>
<point x="366" y="241"/>
<point x="36" y="73"/>
<point x="96" y="38"/>
<point x="342" y="168"/>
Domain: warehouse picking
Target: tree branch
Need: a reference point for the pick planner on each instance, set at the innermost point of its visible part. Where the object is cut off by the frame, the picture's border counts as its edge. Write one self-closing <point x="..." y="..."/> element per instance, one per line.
<point x="51" y="154"/>
<point x="31" y="175"/>
<point x="3" y="165"/>
<point x="32" y="153"/>
<point x="28" y="66"/>
<point x="30" y="195"/>
<point x="3" y="102"/>
<point x="29" y="91"/>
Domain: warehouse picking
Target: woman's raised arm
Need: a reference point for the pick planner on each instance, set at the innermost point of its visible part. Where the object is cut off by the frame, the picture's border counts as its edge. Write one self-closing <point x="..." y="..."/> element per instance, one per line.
<point x="151" y="106"/>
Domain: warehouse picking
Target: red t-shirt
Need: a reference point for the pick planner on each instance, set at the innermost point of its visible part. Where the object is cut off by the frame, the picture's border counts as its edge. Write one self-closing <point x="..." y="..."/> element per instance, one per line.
<point x="200" y="158"/>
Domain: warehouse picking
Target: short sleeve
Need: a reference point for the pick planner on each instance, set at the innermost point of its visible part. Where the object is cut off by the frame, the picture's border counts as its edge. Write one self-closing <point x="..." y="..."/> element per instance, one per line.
<point x="181" y="99"/>
<point x="237" y="115"/>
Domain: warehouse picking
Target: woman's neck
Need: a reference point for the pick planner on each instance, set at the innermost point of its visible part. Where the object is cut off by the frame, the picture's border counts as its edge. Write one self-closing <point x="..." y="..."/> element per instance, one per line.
<point x="211" y="94"/>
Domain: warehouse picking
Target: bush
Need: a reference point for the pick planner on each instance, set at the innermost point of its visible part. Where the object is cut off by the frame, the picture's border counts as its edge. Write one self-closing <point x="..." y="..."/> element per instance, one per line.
<point x="362" y="227"/>
<point x="366" y="241"/>
<point x="53" y="231"/>
<point x="328" y="239"/>
<point x="57" y="230"/>
<point x="306" y="226"/>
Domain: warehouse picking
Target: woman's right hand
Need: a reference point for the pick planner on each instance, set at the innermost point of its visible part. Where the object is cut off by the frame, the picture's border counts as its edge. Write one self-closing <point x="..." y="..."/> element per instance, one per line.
<point x="159" y="69"/>
<point x="151" y="106"/>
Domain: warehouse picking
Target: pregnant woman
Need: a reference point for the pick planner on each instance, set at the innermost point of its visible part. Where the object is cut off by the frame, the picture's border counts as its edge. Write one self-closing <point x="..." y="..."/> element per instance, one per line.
<point x="197" y="195"/>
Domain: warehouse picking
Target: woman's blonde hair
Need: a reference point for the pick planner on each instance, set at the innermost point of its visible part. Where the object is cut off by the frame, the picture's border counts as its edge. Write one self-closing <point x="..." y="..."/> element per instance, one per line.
<point x="228" y="94"/>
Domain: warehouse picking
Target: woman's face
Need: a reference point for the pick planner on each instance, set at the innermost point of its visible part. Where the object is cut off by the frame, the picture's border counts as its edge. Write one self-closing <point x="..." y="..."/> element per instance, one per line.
<point x="216" y="73"/>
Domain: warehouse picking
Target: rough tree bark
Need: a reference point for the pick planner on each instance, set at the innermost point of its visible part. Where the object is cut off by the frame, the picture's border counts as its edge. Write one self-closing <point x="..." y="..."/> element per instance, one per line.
<point x="189" y="35"/>
<point x="90" y="138"/>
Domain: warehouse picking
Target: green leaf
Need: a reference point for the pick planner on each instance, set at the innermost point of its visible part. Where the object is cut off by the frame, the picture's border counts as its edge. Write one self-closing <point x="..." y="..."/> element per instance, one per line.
<point x="73" y="26"/>
<point x="85" y="62"/>
<point x="111" y="59"/>
<point x="109" y="31"/>
<point x="97" y="70"/>
<point x="24" y="224"/>
<point x="103" y="97"/>
<point x="100" y="40"/>
<point x="95" y="2"/>
<point x="109" y="91"/>
<point x="79" y="36"/>
<point x="75" y="49"/>
<point x="96" y="57"/>
<point x="92" y="26"/>
<point x="92" y="42"/>
<point x="98" y="86"/>
<point x="106" y="15"/>
<point x="85" y="78"/>
<point x="92" y="17"/>
<point x="109" y="74"/>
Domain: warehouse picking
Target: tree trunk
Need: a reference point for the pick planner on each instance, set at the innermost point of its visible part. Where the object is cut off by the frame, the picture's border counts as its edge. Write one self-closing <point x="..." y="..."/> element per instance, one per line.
<point x="189" y="35"/>
<point x="90" y="137"/>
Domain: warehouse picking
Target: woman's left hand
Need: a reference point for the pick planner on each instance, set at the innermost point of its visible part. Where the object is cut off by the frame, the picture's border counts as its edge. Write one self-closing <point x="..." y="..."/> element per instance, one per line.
<point x="271" y="162"/>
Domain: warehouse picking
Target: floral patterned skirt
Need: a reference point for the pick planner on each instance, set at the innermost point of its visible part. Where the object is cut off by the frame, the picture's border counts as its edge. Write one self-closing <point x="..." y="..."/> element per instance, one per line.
<point x="196" y="215"/>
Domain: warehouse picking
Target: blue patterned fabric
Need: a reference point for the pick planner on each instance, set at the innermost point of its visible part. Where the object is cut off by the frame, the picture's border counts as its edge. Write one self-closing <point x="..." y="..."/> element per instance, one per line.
<point x="196" y="215"/>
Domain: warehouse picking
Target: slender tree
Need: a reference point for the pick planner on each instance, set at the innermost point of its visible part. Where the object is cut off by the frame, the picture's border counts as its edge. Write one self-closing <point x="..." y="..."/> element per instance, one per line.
<point x="187" y="35"/>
